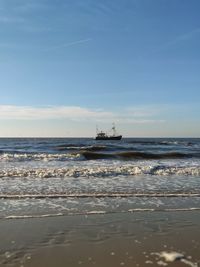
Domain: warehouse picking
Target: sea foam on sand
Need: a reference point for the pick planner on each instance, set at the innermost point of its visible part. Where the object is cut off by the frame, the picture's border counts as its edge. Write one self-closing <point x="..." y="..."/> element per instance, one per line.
<point x="171" y="256"/>
<point x="174" y="256"/>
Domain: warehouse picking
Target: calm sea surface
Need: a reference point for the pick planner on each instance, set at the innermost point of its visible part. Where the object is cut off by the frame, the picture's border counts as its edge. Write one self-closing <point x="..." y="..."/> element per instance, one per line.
<point x="49" y="177"/>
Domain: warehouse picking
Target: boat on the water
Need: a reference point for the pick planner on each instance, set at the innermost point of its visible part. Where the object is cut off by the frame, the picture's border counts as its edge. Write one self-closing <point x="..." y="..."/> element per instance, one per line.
<point x="104" y="136"/>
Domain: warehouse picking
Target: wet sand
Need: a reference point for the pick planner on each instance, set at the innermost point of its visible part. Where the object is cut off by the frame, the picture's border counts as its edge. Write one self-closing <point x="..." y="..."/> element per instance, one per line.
<point x="118" y="239"/>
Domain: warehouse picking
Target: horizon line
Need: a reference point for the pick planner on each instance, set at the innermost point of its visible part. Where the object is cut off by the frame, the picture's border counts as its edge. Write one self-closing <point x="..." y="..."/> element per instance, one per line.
<point x="89" y="137"/>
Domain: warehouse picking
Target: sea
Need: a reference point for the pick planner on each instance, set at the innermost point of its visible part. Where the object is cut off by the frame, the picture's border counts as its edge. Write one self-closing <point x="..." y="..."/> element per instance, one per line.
<point x="42" y="177"/>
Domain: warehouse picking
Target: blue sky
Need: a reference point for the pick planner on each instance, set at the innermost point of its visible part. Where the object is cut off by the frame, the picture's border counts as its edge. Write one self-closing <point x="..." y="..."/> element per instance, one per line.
<point x="66" y="66"/>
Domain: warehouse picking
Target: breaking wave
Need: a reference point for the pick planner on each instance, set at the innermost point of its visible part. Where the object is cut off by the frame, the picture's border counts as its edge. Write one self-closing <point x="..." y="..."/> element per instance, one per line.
<point x="39" y="157"/>
<point x="90" y="155"/>
<point x="101" y="171"/>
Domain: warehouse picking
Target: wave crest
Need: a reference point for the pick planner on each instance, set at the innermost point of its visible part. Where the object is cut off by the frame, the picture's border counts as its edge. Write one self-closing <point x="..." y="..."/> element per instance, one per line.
<point x="17" y="157"/>
<point x="92" y="153"/>
<point x="103" y="171"/>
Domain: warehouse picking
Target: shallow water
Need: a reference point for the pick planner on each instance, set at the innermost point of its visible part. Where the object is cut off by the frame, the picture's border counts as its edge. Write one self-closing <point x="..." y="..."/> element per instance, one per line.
<point x="129" y="239"/>
<point x="48" y="177"/>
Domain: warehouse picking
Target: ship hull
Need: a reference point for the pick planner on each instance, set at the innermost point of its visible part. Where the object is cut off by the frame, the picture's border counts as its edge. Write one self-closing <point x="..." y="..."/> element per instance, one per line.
<point x="118" y="137"/>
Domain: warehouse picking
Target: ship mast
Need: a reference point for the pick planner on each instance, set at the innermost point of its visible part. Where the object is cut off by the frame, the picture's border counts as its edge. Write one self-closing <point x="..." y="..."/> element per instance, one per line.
<point x="114" y="129"/>
<point x="97" y="130"/>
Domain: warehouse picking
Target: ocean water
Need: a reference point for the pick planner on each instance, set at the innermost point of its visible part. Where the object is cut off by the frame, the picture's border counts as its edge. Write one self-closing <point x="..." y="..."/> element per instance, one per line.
<point x="65" y="176"/>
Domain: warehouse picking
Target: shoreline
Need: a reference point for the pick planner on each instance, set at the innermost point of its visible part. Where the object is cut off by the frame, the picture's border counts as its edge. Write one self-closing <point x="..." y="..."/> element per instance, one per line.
<point x="115" y="239"/>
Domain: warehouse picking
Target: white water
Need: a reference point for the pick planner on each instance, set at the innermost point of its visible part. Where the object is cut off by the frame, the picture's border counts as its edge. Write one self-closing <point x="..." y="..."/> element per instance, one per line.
<point x="45" y="179"/>
<point x="102" y="169"/>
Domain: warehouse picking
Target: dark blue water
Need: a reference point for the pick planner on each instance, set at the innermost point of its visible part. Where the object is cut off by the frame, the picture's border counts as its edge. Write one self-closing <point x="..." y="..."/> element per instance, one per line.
<point x="62" y="145"/>
<point x="70" y="175"/>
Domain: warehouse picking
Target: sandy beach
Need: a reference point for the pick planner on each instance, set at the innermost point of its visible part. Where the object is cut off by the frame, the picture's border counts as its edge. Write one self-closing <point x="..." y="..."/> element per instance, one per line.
<point x="121" y="239"/>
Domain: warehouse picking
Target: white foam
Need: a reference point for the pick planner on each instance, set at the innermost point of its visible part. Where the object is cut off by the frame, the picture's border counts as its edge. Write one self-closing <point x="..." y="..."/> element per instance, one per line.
<point x="7" y="157"/>
<point x="148" y="262"/>
<point x="100" y="171"/>
<point x="188" y="262"/>
<point x="33" y="216"/>
<point x="175" y="256"/>
<point x="171" y="256"/>
<point x="96" y="212"/>
<point x="168" y="256"/>
<point x="162" y="263"/>
<point x="140" y="209"/>
<point x="101" y="195"/>
<point x="25" y="216"/>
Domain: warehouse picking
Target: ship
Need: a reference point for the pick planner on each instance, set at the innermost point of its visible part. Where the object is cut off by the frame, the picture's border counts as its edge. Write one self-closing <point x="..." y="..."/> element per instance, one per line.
<point x="104" y="136"/>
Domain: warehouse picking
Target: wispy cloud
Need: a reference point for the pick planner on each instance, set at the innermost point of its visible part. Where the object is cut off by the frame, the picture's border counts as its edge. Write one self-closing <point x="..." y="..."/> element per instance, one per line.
<point x="63" y="45"/>
<point x="11" y="19"/>
<point x="76" y="113"/>
<point x="182" y="38"/>
<point x="31" y="5"/>
<point x="17" y="13"/>
<point x="49" y="112"/>
<point x="22" y="5"/>
<point x="142" y="111"/>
